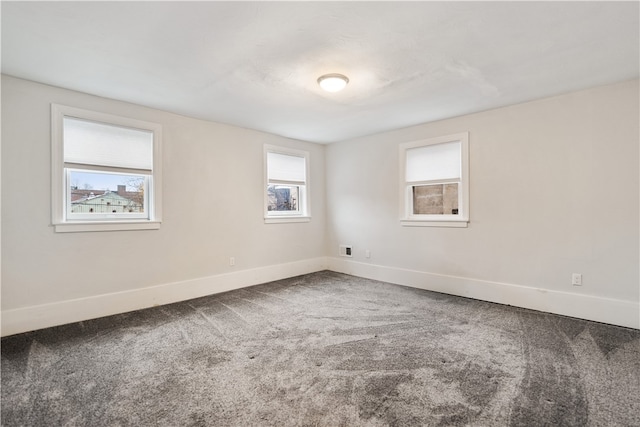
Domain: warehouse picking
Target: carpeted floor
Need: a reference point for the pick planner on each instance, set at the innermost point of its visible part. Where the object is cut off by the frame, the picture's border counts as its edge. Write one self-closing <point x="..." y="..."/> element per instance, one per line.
<point x="324" y="349"/>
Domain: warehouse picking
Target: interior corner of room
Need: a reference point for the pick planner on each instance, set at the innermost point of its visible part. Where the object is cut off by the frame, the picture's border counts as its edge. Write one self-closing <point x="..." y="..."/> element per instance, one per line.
<point x="553" y="191"/>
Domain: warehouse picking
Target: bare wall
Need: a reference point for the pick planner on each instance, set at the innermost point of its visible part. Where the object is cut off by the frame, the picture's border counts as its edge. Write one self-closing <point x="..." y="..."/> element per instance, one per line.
<point x="554" y="191"/>
<point x="212" y="207"/>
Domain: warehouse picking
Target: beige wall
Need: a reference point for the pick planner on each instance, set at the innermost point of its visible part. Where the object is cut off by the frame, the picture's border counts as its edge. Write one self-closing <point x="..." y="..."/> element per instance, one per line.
<point x="206" y="219"/>
<point x="553" y="191"/>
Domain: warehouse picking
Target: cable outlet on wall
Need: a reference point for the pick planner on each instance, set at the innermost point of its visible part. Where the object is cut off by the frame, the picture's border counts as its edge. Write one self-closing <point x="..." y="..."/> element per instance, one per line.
<point x="576" y="279"/>
<point x="232" y="261"/>
<point x="346" y="250"/>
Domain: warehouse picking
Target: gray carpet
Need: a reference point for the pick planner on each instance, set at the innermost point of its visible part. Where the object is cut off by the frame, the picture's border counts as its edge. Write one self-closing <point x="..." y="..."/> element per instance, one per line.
<point x="324" y="349"/>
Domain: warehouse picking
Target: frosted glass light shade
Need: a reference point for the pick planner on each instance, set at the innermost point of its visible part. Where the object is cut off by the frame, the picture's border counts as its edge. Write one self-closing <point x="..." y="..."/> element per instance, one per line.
<point x="333" y="82"/>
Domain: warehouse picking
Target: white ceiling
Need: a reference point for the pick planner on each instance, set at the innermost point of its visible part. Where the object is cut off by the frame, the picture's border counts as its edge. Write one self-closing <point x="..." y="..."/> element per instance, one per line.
<point x="255" y="64"/>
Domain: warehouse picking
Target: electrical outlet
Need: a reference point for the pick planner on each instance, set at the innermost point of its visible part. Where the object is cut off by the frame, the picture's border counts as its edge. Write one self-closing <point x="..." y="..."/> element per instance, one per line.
<point x="576" y="279"/>
<point x="367" y="253"/>
<point x="232" y="261"/>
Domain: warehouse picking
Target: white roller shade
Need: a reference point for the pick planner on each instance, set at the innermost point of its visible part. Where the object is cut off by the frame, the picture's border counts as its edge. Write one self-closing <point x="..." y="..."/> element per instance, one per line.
<point x="283" y="167"/>
<point x="92" y="143"/>
<point x="434" y="162"/>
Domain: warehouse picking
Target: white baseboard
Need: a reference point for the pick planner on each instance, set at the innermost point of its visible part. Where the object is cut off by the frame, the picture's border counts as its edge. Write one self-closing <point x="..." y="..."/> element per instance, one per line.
<point x="605" y="310"/>
<point x="59" y="313"/>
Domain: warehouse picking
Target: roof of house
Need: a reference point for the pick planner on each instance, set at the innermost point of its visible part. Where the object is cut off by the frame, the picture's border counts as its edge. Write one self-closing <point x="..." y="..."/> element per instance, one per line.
<point x="106" y="196"/>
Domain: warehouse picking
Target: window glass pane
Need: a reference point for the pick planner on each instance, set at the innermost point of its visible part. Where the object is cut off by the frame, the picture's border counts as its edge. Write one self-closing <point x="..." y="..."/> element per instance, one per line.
<point x="283" y="198"/>
<point x="283" y="167"/>
<point x="437" y="199"/>
<point x="438" y="161"/>
<point x="93" y="143"/>
<point x="106" y="193"/>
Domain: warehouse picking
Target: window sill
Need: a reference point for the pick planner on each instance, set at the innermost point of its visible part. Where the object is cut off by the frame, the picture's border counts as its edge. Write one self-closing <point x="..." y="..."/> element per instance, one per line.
<point x="284" y="219"/>
<point x="78" y="227"/>
<point x="423" y="223"/>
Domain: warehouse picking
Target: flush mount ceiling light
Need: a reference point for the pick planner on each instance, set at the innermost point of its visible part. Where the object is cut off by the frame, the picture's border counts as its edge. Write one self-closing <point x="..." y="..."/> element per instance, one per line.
<point x="333" y="82"/>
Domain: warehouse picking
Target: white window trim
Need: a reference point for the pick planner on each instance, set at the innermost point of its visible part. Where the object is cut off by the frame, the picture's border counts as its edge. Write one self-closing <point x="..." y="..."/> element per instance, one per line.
<point x="305" y="214"/>
<point x="59" y="181"/>
<point x="410" y="220"/>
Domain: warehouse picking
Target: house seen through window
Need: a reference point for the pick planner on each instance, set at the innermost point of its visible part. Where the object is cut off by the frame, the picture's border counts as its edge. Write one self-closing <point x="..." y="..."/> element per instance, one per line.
<point x="286" y="181"/>
<point x="434" y="181"/>
<point x="106" y="193"/>
<point x="105" y="171"/>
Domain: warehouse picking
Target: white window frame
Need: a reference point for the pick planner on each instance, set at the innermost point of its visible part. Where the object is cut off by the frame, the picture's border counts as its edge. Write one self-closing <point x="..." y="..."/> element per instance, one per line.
<point x="407" y="217"/>
<point x="60" y="197"/>
<point x="304" y="212"/>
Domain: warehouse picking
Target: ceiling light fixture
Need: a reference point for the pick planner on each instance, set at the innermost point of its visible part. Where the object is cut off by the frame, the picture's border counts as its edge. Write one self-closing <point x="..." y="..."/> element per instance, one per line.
<point x="333" y="82"/>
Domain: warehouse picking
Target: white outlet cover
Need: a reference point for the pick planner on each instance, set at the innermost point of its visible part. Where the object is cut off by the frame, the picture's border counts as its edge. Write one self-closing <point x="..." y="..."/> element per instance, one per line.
<point x="576" y="279"/>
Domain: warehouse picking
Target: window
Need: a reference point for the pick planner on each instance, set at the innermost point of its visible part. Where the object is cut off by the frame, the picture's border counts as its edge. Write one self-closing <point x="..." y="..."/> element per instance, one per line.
<point x="286" y="182"/>
<point x="105" y="171"/>
<point x="434" y="181"/>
